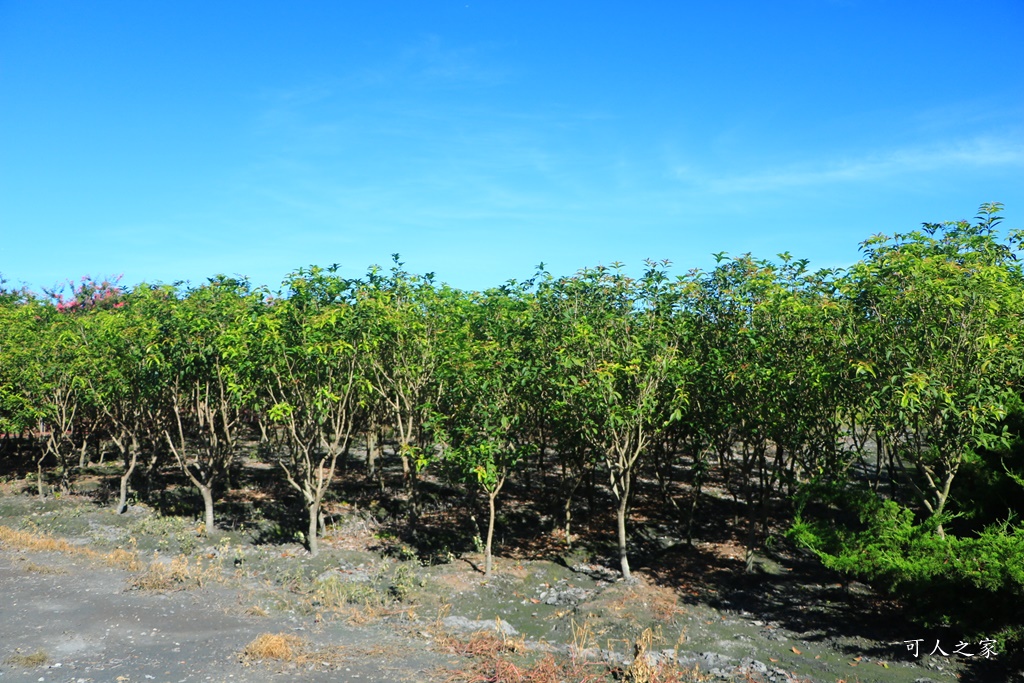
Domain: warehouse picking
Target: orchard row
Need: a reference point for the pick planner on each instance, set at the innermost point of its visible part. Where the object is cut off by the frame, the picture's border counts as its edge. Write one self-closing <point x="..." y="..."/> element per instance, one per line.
<point x="902" y="368"/>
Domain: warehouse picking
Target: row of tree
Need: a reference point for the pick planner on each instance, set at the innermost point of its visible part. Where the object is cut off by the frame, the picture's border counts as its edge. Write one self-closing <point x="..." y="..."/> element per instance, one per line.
<point x="888" y="376"/>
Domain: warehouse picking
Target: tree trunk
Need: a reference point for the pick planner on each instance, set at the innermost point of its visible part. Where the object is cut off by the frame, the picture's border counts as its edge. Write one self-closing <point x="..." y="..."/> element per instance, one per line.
<point x="490" y="532"/>
<point x="879" y="456"/>
<point x="567" y="510"/>
<point x="748" y="555"/>
<point x="371" y="452"/>
<point x="568" y="522"/>
<point x="409" y="479"/>
<point x="345" y="454"/>
<point x="83" y="454"/>
<point x="207" y="491"/>
<point x="620" y="518"/>
<point x="41" y="485"/>
<point x="591" y="489"/>
<point x="314" y="524"/>
<point x="64" y="482"/>
<point x="151" y="472"/>
<point x="698" y="484"/>
<point x="943" y="496"/>
<point x="122" y="504"/>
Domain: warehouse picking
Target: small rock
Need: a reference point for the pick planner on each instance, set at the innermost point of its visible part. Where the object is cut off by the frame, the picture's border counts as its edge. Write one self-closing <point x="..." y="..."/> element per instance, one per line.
<point x="753" y="665"/>
<point x="464" y="624"/>
<point x="569" y="596"/>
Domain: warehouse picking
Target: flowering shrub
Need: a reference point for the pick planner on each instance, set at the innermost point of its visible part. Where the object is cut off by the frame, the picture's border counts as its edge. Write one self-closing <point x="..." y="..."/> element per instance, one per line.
<point x="88" y="294"/>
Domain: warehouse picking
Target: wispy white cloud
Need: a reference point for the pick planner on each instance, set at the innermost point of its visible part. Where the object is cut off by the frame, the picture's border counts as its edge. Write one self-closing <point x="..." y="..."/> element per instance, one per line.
<point x="987" y="112"/>
<point x="432" y="61"/>
<point x="976" y="153"/>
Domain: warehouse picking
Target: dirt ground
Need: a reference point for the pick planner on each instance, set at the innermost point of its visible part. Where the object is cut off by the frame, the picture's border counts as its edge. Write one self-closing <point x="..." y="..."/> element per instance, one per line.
<point x="186" y="608"/>
<point x="92" y="627"/>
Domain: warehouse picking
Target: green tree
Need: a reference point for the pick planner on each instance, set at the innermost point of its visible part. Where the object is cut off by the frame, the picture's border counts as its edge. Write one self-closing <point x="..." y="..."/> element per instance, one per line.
<point x="938" y="313"/>
<point x="55" y="348"/>
<point x="402" y="323"/>
<point x="202" y="383"/>
<point x="619" y="354"/>
<point x="767" y="340"/>
<point x="124" y="374"/>
<point x="487" y="428"/>
<point x="306" y="346"/>
<point x="21" y="379"/>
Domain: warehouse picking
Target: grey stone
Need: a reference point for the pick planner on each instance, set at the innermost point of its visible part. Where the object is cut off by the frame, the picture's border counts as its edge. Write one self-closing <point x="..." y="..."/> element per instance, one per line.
<point x="464" y="624"/>
<point x="569" y="596"/>
<point x="754" y="665"/>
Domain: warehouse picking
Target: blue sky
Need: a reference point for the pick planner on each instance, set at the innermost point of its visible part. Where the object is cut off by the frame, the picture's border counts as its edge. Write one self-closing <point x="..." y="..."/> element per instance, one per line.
<point x="177" y="140"/>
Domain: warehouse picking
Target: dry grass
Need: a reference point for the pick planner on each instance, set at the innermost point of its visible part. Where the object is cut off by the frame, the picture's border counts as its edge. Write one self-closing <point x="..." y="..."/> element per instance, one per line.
<point x="120" y="558"/>
<point x="285" y="647"/>
<point x="360" y="615"/>
<point x="545" y="670"/>
<point x="641" y="602"/>
<point x="664" y="603"/>
<point x="505" y="660"/>
<point x="668" y="673"/>
<point x="481" y="644"/>
<point x="256" y="611"/>
<point x="41" y="542"/>
<point x="641" y="670"/>
<point x="38" y="542"/>
<point x="582" y="637"/>
<point x="334" y="593"/>
<point x="38" y="658"/>
<point x="358" y="602"/>
<point x="548" y="669"/>
<point x="277" y="646"/>
<point x="42" y="568"/>
<point x="179" y="574"/>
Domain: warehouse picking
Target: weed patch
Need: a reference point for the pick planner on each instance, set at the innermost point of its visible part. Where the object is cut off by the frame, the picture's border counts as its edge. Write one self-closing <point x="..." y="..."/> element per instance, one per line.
<point x="545" y="670"/>
<point x="38" y="541"/>
<point x="333" y="592"/>
<point x="285" y="647"/>
<point x="180" y="573"/>
<point x="499" y="659"/>
<point x="278" y="646"/>
<point x="481" y="644"/>
<point x="38" y="658"/>
<point x="42" y="568"/>
<point x="160" y="525"/>
<point x="362" y="599"/>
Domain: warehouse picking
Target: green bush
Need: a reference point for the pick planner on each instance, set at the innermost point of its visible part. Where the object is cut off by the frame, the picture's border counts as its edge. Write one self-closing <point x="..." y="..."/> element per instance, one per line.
<point x="990" y="484"/>
<point x="881" y="542"/>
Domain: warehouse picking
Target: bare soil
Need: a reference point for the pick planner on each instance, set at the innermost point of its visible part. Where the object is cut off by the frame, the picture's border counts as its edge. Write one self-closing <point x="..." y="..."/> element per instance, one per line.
<point x="367" y="609"/>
